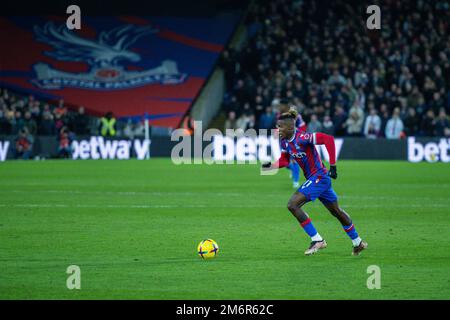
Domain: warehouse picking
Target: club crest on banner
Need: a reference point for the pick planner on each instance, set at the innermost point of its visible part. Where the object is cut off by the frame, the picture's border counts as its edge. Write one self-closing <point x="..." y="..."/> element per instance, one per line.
<point x="105" y="55"/>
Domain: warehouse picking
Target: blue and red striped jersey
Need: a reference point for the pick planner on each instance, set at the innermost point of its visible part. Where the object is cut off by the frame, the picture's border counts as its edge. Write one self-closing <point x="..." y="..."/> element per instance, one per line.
<point x="301" y="148"/>
<point x="300" y="124"/>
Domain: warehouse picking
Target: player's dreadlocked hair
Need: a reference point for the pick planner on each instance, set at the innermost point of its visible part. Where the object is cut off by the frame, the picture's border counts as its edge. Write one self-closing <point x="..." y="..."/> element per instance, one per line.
<point x="291" y="114"/>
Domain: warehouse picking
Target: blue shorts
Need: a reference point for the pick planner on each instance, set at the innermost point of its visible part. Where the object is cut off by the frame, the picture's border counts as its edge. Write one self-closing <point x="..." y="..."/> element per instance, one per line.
<point x="318" y="186"/>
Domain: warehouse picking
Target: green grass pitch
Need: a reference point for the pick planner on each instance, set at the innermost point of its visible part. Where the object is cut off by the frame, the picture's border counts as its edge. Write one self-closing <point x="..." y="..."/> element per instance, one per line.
<point x="133" y="228"/>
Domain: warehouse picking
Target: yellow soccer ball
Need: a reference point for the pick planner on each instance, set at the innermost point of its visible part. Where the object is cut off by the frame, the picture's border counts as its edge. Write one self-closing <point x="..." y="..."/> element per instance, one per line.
<point x="208" y="249"/>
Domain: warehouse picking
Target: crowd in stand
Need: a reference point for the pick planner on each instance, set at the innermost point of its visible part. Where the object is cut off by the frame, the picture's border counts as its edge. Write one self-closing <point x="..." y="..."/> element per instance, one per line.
<point x="344" y="79"/>
<point x="18" y="112"/>
<point x="26" y="117"/>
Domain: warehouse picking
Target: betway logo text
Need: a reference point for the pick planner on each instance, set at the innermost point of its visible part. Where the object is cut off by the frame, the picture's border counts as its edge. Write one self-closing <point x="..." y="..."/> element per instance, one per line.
<point x="237" y="145"/>
<point x="99" y="148"/>
<point x="256" y="148"/>
<point x="431" y="151"/>
<point x="4" y="146"/>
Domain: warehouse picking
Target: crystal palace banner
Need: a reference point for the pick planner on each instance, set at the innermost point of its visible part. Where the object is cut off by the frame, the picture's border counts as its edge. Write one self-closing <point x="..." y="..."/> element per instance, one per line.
<point x="127" y="65"/>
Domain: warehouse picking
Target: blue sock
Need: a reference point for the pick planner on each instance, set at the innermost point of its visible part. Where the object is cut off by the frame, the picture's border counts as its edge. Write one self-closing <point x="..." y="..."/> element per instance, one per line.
<point x="309" y="227"/>
<point x="351" y="231"/>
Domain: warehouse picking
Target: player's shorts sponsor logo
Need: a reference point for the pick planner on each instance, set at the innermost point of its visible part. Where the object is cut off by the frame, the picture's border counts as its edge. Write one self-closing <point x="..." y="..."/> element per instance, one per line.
<point x="430" y="151"/>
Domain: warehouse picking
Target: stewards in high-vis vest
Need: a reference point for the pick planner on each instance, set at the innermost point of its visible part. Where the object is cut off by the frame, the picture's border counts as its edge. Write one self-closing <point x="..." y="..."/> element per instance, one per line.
<point x="108" y="125"/>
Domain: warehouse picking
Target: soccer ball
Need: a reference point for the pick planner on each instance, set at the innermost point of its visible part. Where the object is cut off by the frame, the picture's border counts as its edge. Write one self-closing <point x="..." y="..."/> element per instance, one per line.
<point x="208" y="249"/>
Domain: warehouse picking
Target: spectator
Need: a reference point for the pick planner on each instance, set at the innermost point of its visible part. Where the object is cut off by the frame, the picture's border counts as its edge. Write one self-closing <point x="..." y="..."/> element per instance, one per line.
<point x="47" y="127"/>
<point x="394" y="126"/>
<point x="384" y="116"/>
<point x="437" y="102"/>
<point x="328" y="126"/>
<point x="251" y="123"/>
<point x="3" y="120"/>
<point x="35" y="111"/>
<point x="108" y="125"/>
<point x="9" y="121"/>
<point x="65" y="141"/>
<point x="354" y="124"/>
<point x="59" y="121"/>
<point x="17" y="122"/>
<point x="442" y="123"/>
<point x="268" y="119"/>
<point x="135" y="129"/>
<point x="447" y="132"/>
<point x="339" y="120"/>
<point x="411" y="122"/>
<point x="314" y="124"/>
<point x="81" y="122"/>
<point x="30" y="123"/>
<point x="243" y="121"/>
<point x="231" y="122"/>
<point x="61" y="109"/>
<point x="24" y="145"/>
<point x="414" y="98"/>
<point x="372" y="125"/>
<point x="128" y="129"/>
<point x="337" y="78"/>
<point x="427" y="125"/>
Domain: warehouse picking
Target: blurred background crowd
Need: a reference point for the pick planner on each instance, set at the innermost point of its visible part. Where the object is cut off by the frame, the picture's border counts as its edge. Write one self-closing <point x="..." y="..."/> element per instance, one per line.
<point x="343" y="78"/>
<point x="25" y="117"/>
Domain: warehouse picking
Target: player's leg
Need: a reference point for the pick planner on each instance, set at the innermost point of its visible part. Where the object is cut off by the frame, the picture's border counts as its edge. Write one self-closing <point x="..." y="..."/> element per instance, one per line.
<point x="297" y="200"/>
<point x="295" y="204"/>
<point x="338" y="213"/>
<point x="346" y="222"/>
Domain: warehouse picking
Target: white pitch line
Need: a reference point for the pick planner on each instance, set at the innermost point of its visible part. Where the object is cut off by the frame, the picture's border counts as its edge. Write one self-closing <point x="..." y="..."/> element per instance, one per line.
<point x="234" y="194"/>
<point x="125" y="193"/>
<point x="162" y="206"/>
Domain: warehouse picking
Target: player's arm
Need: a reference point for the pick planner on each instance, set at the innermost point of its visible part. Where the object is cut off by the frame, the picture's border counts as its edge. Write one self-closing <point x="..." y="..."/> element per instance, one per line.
<point x="328" y="141"/>
<point x="282" y="162"/>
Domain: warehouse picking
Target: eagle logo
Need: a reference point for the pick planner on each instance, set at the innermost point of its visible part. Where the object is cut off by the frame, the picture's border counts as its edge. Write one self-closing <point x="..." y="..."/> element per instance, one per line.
<point x="104" y="55"/>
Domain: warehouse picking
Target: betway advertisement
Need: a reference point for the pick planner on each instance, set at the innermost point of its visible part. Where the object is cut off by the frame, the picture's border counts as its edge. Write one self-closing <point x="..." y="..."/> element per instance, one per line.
<point x="222" y="148"/>
<point x="426" y="150"/>
<point x="4" y="147"/>
<point x="261" y="148"/>
<point x="98" y="148"/>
